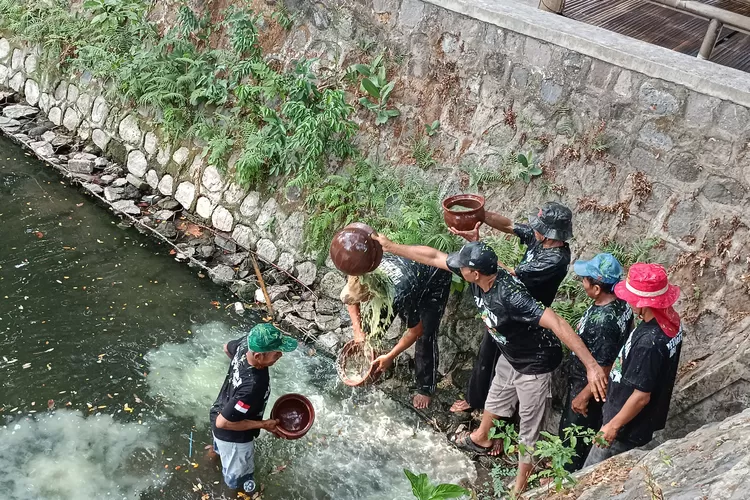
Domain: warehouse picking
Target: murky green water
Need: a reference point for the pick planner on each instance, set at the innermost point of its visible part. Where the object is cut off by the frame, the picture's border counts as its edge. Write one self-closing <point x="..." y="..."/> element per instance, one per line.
<point x="127" y="343"/>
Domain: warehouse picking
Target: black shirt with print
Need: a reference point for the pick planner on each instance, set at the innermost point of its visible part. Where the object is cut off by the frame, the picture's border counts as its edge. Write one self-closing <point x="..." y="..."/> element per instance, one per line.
<point x="647" y="362"/>
<point x="603" y="329"/>
<point x="541" y="269"/>
<point x="417" y="288"/>
<point x="512" y="317"/>
<point x="243" y="396"/>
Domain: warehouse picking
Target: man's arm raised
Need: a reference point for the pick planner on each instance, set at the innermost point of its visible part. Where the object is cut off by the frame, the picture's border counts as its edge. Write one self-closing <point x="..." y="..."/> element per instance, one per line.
<point x="417" y="253"/>
<point x="499" y="222"/>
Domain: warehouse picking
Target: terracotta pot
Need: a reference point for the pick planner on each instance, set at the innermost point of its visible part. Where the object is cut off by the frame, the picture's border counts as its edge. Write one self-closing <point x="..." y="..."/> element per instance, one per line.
<point x="463" y="220"/>
<point x="378" y="249"/>
<point x="295" y="414"/>
<point x="353" y="252"/>
<point x="361" y="352"/>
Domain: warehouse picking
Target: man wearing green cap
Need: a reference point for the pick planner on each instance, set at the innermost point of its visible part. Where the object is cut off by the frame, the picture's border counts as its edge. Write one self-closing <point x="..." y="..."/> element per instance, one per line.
<point x="237" y="414"/>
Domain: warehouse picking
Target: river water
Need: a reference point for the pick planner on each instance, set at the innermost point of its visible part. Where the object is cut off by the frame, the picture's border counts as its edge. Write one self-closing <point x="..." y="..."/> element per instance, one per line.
<point x="110" y="356"/>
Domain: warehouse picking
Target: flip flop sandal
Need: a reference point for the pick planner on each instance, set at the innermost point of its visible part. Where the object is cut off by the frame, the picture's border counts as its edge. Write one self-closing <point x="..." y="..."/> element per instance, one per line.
<point x="463" y="442"/>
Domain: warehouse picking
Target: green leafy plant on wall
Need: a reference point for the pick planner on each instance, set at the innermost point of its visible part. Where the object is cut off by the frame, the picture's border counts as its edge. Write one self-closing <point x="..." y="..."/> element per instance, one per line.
<point x="406" y="210"/>
<point x="279" y="123"/>
<point x="423" y="489"/>
<point x="640" y="250"/>
<point x="571" y="300"/>
<point x="432" y="128"/>
<point x="525" y="168"/>
<point x="378" y="89"/>
<point x="423" y="154"/>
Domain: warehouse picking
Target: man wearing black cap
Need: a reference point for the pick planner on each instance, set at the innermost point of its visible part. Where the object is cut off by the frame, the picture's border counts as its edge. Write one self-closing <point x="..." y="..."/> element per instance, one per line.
<point x="528" y="335"/>
<point x="542" y="269"/>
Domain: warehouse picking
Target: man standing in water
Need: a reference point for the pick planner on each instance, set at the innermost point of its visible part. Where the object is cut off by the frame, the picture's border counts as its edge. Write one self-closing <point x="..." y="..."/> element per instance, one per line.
<point x="602" y="328"/>
<point x="528" y="335"/>
<point x="420" y="294"/>
<point x="542" y="269"/>
<point x="644" y="373"/>
<point x="237" y="414"/>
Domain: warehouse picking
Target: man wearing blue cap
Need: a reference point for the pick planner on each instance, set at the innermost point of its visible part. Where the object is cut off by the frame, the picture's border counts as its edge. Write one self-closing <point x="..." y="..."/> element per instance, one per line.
<point x="603" y="329"/>
<point x="237" y="414"/>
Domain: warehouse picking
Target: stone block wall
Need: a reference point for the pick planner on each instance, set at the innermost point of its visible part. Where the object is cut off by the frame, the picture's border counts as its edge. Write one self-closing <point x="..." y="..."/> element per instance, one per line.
<point x="676" y="165"/>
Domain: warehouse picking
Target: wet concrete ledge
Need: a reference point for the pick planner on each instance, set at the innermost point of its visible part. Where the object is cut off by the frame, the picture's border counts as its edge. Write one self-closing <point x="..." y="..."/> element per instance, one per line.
<point x="657" y="62"/>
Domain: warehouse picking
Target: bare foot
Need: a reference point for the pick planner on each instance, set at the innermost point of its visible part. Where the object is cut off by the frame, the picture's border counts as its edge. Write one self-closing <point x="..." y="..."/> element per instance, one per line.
<point x="460" y="405"/>
<point x="497" y="448"/>
<point x="421" y="401"/>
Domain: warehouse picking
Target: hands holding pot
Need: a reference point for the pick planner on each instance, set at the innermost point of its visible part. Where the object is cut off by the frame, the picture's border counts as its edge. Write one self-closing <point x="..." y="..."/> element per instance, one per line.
<point x="470" y="235"/>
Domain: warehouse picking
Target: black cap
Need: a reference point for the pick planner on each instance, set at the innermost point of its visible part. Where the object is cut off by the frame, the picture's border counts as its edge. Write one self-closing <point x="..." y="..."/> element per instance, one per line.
<point x="553" y="221"/>
<point x="476" y="255"/>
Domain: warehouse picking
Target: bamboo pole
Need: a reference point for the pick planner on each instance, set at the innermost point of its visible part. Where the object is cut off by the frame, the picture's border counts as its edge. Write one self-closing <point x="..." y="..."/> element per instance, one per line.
<point x="262" y="285"/>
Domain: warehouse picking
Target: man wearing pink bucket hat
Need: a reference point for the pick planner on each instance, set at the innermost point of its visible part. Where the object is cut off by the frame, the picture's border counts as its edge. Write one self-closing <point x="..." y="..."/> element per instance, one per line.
<point x="644" y="373"/>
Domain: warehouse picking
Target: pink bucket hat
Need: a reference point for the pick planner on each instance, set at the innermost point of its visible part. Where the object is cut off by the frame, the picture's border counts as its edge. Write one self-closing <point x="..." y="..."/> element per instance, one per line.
<point x="647" y="285"/>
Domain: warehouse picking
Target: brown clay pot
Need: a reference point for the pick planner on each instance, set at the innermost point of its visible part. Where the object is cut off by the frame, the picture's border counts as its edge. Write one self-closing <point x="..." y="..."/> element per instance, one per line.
<point x="295" y="414"/>
<point x="378" y="249"/>
<point x="353" y="252"/>
<point x="463" y="220"/>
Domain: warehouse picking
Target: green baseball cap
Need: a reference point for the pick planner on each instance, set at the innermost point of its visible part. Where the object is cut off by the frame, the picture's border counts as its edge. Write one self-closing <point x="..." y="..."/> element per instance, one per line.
<point x="265" y="337"/>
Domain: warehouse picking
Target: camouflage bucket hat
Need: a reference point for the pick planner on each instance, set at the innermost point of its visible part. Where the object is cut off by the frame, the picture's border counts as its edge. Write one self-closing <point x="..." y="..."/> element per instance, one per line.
<point x="553" y="221"/>
<point x="265" y="337"/>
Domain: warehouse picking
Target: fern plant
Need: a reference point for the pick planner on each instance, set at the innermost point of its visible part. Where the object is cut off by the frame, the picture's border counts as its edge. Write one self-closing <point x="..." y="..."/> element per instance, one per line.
<point x="637" y="251"/>
<point x="423" y="154"/>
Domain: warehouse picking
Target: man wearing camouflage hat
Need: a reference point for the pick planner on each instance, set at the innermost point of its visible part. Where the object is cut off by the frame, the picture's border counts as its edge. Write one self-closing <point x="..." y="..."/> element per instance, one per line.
<point x="237" y="414"/>
<point x="542" y="269"/>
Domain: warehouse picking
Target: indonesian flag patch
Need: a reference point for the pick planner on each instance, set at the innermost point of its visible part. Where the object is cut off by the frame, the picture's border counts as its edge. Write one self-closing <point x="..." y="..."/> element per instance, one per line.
<point x="241" y="407"/>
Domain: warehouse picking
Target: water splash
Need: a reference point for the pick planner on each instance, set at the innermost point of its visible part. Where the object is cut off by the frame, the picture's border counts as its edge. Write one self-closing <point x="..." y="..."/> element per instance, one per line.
<point x="358" y="447"/>
<point x="66" y="456"/>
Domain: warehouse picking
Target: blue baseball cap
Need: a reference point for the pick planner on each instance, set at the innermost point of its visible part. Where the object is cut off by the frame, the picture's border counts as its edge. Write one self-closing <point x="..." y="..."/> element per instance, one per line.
<point x="603" y="267"/>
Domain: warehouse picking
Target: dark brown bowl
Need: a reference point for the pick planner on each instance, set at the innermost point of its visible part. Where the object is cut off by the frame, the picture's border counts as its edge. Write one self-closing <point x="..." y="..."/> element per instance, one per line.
<point x="295" y="414"/>
<point x="378" y="249"/>
<point x="353" y="252"/>
<point x="463" y="220"/>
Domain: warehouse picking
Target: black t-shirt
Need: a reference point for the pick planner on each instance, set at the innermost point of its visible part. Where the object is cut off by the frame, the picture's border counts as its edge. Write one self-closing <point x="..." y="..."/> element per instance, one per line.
<point x="647" y="362"/>
<point x="603" y="329"/>
<point x="417" y="287"/>
<point x="512" y="317"/>
<point x="243" y="396"/>
<point x="541" y="269"/>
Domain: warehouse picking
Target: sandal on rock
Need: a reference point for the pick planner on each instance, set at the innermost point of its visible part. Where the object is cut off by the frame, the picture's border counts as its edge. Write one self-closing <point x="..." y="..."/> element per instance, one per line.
<point x="463" y="441"/>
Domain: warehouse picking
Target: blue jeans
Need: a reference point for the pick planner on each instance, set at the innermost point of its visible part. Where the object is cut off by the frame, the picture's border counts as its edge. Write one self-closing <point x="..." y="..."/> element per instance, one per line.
<point x="237" y="464"/>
